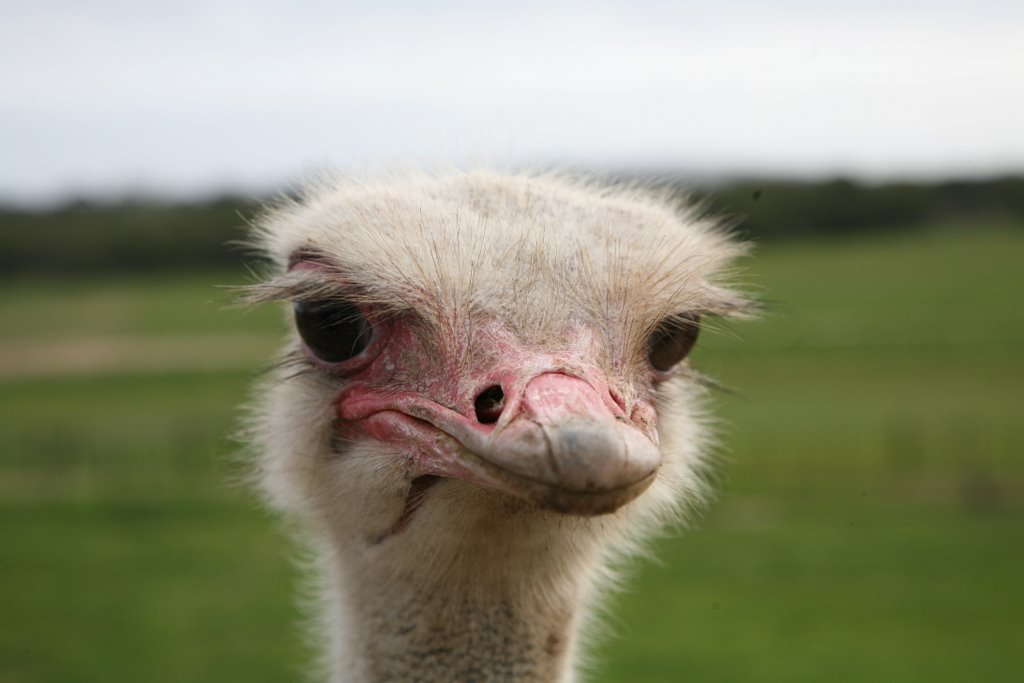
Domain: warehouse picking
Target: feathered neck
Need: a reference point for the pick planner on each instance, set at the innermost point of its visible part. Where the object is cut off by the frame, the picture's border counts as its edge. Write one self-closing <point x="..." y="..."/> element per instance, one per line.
<point x="499" y="594"/>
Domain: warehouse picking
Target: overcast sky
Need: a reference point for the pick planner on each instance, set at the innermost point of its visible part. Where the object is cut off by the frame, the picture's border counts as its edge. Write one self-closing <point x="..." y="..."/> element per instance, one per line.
<point x="184" y="97"/>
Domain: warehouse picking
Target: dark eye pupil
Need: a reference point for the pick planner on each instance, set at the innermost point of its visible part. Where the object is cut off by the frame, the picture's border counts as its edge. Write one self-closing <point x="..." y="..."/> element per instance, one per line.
<point x="333" y="331"/>
<point x="673" y="341"/>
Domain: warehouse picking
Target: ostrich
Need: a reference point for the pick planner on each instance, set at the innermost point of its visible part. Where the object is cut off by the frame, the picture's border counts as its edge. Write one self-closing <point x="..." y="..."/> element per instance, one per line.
<point x="483" y="406"/>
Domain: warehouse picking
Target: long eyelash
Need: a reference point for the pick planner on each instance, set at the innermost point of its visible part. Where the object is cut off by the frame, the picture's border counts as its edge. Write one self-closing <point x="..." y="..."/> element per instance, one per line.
<point x="705" y="381"/>
<point x="302" y="286"/>
<point x="290" y="287"/>
<point x="291" y="365"/>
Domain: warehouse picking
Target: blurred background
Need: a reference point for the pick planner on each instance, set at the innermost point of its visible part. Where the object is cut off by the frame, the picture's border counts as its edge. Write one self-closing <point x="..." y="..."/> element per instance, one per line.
<point x="871" y="519"/>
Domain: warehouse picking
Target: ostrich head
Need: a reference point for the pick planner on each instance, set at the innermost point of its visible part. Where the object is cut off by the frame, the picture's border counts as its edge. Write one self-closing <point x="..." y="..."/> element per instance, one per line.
<point x="484" y="399"/>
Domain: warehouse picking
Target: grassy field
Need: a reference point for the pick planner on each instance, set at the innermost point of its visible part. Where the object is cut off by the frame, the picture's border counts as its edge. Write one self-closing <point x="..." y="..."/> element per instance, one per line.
<point x="871" y="524"/>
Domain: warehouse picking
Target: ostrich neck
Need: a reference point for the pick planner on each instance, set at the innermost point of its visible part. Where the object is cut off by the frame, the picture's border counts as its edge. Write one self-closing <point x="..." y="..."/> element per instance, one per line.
<point x="448" y="636"/>
<point x="458" y="614"/>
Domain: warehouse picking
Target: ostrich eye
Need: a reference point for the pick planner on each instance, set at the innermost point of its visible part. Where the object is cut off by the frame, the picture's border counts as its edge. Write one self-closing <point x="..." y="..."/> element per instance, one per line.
<point x="672" y="341"/>
<point x="334" y="331"/>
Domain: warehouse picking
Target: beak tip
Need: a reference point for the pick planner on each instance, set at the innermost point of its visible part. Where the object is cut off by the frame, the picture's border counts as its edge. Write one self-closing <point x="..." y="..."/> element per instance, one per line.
<point x="593" y="457"/>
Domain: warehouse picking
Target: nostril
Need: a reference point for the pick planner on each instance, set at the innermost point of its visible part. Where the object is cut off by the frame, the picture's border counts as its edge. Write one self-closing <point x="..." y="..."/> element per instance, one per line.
<point x="489" y="405"/>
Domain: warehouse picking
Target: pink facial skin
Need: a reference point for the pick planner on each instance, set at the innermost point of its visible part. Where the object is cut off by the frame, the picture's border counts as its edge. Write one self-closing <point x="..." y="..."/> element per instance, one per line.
<point x="561" y="439"/>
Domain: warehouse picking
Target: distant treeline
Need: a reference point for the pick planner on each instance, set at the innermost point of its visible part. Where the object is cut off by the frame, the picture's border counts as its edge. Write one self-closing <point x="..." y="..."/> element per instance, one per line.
<point x="137" y="235"/>
<point x="777" y="209"/>
<point x="134" y="235"/>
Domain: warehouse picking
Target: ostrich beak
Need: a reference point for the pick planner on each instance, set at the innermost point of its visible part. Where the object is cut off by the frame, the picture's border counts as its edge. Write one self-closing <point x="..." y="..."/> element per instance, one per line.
<point x="569" y="448"/>
<point x="559" y="442"/>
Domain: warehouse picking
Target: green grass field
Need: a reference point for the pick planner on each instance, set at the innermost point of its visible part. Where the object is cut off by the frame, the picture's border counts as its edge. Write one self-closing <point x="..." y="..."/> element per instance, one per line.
<point x="870" y="526"/>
